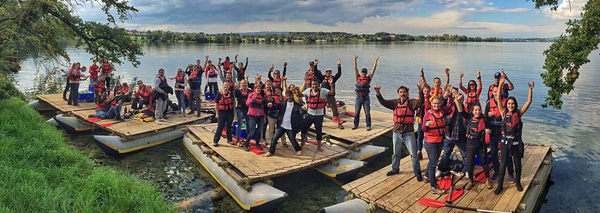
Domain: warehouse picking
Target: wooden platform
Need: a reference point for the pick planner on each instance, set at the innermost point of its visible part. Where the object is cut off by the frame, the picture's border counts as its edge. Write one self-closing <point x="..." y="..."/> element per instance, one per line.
<point x="400" y="193"/>
<point x="381" y="123"/>
<point x="249" y="167"/>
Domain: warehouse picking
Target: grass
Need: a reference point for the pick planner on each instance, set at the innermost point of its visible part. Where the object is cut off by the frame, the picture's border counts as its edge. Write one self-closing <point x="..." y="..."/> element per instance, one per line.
<point x="40" y="173"/>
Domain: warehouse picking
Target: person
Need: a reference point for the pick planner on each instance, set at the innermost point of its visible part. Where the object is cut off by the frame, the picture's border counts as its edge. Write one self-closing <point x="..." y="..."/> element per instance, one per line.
<point x="107" y="68"/>
<point x="316" y="98"/>
<point x="141" y="88"/>
<point x="227" y="66"/>
<point x="331" y="102"/>
<point x="289" y="121"/>
<point x="256" y="115"/>
<point x="224" y="113"/>
<point x="68" y="85"/>
<point x="195" y="81"/>
<point x="312" y="73"/>
<point x="420" y="114"/>
<point x="94" y="70"/>
<point x="114" y="108"/>
<point x="212" y="76"/>
<point x="278" y="78"/>
<point x="472" y="92"/>
<point x="455" y="134"/>
<point x="505" y="87"/>
<point x="75" y="76"/>
<point x="475" y="132"/>
<point x="126" y="92"/>
<point x="180" y="84"/>
<point x="240" y="69"/>
<point x="362" y="86"/>
<point x="512" y="132"/>
<point x="99" y="88"/>
<point x="241" y="109"/>
<point x="118" y="87"/>
<point x="161" y="88"/>
<point x="272" y="106"/>
<point x="100" y="105"/>
<point x="494" y="123"/>
<point x="434" y="130"/>
<point x="226" y="77"/>
<point x="404" y="121"/>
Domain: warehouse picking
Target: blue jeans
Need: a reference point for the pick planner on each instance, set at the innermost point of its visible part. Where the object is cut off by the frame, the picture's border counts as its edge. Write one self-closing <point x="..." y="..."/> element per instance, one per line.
<point x="180" y="100"/>
<point x="255" y="124"/>
<point x="74" y="93"/>
<point x="93" y="80"/>
<point x="433" y="154"/>
<point x="409" y="140"/>
<point x="113" y="112"/>
<point x="242" y="115"/>
<point x="100" y="114"/>
<point x="420" y="137"/>
<point x="365" y="102"/>
<point x="444" y="165"/>
<point x="225" y="122"/>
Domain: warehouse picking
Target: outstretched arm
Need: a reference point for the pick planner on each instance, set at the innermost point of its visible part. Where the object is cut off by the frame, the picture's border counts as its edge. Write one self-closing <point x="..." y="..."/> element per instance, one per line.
<point x="529" y="98"/>
<point x="460" y="85"/>
<point x="447" y="79"/>
<point x="246" y="65"/>
<point x="374" y="67"/>
<point x="498" y="97"/>
<point x="480" y="86"/>
<point x="510" y="84"/>
<point x="422" y="74"/>
<point x="284" y="68"/>
<point x="339" y="71"/>
<point x="355" y="67"/>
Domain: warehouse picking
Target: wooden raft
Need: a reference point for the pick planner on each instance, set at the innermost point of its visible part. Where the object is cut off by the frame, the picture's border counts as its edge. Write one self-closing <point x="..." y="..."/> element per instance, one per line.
<point x="134" y="128"/>
<point x="61" y="105"/>
<point x="247" y="167"/>
<point x="381" y="123"/>
<point x="400" y="193"/>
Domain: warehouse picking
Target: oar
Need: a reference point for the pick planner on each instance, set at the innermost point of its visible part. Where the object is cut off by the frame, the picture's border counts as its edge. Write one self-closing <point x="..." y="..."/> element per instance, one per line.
<point x="456" y="194"/>
<point x="438" y="204"/>
<point x="452" y="183"/>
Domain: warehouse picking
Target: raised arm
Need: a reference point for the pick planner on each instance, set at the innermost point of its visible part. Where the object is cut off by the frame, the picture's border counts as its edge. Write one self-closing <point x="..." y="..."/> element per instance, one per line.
<point x="355" y="67"/>
<point x="480" y="85"/>
<point x="498" y="97"/>
<point x="458" y="104"/>
<point x="374" y="67"/>
<point x="246" y="64"/>
<point x="284" y="83"/>
<point x="385" y="103"/>
<point x="339" y="71"/>
<point x="525" y="106"/>
<point x="510" y="84"/>
<point x="284" y="68"/>
<point x="460" y="84"/>
<point x="422" y="74"/>
<point x="447" y="79"/>
<point x="269" y="74"/>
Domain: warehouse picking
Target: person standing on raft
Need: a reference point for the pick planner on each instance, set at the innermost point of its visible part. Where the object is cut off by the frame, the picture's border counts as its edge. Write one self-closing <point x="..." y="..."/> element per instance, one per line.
<point x="289" y="121"/>
<point x="277" y="78"/>
<point x="331" y="102"/>
<point x="362" y="88"/>
<point x="107" y="69"/>
<point x="473" y="91"/>
<point x="434" y="128"/>
<point x="161" y="87"/>
<point x="316" y="98"/>
<point x="404" y="121"/>
<point x="224" y="113"/>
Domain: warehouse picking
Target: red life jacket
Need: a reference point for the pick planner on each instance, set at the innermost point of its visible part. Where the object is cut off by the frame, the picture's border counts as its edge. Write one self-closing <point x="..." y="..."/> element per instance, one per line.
<point x="212" y="73"/>
<point x="308" y="78"/>
<point x="315" y="101"/>
<point x="118" y="89"/>
<point x="494" y="107"/>
<point x="241" y="102"/>
<point x="363" y="83"/>
<point x="101" y="105"/>
<point x="475" y="128"/>
<point x="226" y="65"/>
<point x="74" y="76"/>
<point x="257" y="101"/>
<point x="439" y="89"/>
<point x="140" y="90"/>
<point x="99" y="87"/>
<point x="94" y="71"/>
<point x="106" y="68"/>
<point x="231" y="84"/>
<point x="403" y="114"/>
<point x="437" y="129"/>
<point x="277" y="82"/>
<point x="472" y="97"/>
<point x="510" y="127"/>
<point x="187" y="94"/>
<point x="226" y="102"/>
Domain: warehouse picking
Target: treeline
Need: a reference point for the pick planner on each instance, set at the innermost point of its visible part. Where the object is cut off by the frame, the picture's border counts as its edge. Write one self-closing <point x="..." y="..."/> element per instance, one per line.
<point x="282" y="37"/>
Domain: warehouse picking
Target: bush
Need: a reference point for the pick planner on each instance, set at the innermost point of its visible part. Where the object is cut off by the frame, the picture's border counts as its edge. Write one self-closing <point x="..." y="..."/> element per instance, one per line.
<point x="8" y="89"/>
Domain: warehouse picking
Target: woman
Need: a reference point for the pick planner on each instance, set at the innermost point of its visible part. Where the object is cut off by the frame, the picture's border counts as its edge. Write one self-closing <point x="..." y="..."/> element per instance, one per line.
<point x="256" y="115"/>
<point x="472" y="92"/>
<point x="421" y="112"/>
<point x="475" y="133"/>
<point x="511" y="143"/>
<point x="180" y="84"/>
<point x="241" y="109"/>
<point x="212" y="75"/>
<point x="107" y="69"/>
<point x="434" y="129"/>
<point x="289" y="120"/>
<point x="277" y="78"/>
<point x="224" y="113"/>
<point x="240" y="69"/>
<point x="272" y="106"/>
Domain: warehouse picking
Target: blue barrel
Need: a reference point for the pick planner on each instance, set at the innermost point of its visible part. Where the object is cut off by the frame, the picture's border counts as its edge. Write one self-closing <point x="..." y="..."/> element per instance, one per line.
<point x="243" y="133"/>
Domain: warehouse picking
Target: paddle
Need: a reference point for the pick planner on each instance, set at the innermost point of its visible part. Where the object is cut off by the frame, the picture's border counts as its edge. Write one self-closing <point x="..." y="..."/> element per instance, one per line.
<point x="438" y="204"/>
<point x="445" y="182"/>
<point x="452" y="188"/>
<point x="456" y="194"/>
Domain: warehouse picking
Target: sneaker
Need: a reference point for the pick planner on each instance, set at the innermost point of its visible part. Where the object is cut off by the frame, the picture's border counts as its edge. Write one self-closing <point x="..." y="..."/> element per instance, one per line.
<point x="437" y="191"/>
<point x="355" y="127"/>
<point x="246" y="148"/>
<point x="494" y="177"/>
<point x="511" y="178"/>
<point x="157" y="122"/>
<point x="390" y="173"/>
<point x="467" y="175"/>
<point x="198" y="115"/>
<point x="438" y="173"/>
<point x="469" y="185"/>
<point x="425" y="179"/>
<point x="340" y="126"/>
<point x="419" y="178"/>
<point x="215" y="144"/>
<point x="489" y="184"/>
<point x="163" y="120"/>
<point x="368" y="128"/>
<point x="519" y="187"/>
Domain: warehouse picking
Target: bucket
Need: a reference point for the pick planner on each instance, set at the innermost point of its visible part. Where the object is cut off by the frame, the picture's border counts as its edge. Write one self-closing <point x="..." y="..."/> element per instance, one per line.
<point x="243" y="133"/>
<point x="209" y="96"/>
<point x="87" y="97"/>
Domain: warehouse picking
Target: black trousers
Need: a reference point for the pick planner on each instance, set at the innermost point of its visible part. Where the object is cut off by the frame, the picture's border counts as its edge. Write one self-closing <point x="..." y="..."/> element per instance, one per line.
<point x="317" y="121"/>
<point x="67" y="87"/>
<point x="510" y="152"/>
<point x="278" y="134"/>
<point x="477" y="147"/>
<point x="225" y="121"/>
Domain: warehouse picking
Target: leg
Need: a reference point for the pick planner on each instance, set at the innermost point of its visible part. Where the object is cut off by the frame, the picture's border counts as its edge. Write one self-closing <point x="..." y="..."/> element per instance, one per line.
<point x="504" y="155"/>
<point x="75" y="93"/>
<point x="471" y="147"/>
<point x="276" y="137"/>
<point x="229" y="125"/>
<point x="251" y="127"/>
<point x="397" y="148"/>
<point x="220" y="126"/>
<point x="494" y="139"/>
<point x="433" y="152"/>
<point x="367" y="106"/>
<point x="516" y="158"/>
<point x="135" y="102"/>
<point x="448" y="148"/>
<point x="107" y="81"/>
<point x="198" y="99"/>
<point x="290" y="134"/>
<point x="261" y="123"/>
<point x="67" y="87"/>
<point x="319" y="128"/>
<point x="112" y="111"/>
<point x="357" y="111"/>
<point x="271" y="128"/>
<point x="462" y="147"/>
<point x="240" y="117"/>
<point x="411" y="145"/>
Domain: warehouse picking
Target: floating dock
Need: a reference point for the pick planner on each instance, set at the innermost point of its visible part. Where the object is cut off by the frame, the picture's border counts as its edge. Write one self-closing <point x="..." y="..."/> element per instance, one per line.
<point x="401" y="193"/>
<point x="244" y="174"/>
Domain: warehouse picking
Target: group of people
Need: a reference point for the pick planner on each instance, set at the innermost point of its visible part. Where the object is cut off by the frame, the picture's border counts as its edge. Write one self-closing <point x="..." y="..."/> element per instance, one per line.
<point x="444" y="117"/>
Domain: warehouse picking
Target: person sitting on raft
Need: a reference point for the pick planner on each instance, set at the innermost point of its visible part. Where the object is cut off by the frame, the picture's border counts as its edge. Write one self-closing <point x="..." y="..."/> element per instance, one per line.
<point x="141" y="88"/>
<point x="224" y="113"/>
<point x="404" y="121"/>
<point x="362" y="89"/>
<point x="99" y="88"/>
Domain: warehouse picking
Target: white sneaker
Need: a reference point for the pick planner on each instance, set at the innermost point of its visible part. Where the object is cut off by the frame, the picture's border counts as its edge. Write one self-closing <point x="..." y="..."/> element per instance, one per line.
<point x="438" y="173"/>
<point x="157" y="122"/>
<point x="163" y="120"/>
<point x="467" y="175"/>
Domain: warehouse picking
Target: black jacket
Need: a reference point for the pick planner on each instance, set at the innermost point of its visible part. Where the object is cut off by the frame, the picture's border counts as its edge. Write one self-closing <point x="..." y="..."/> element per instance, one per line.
<point x="296" y="116"/>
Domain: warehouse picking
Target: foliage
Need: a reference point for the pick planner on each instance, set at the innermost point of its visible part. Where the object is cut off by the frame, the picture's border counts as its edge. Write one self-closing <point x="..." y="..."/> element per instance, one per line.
<point x="565" y="57"/>
<point x="40" y="173"/>
<point x="35" y="28"/>
<point x="8" y="89"/>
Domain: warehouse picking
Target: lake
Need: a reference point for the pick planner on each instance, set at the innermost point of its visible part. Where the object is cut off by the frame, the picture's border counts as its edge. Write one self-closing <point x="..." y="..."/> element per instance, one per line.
<point x="572" y="130"/>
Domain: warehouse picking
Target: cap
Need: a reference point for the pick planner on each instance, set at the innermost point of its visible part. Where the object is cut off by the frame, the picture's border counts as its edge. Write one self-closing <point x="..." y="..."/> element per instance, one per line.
<point x="328" y="70"/>
<point x="364" y="70"/>
<point x="311" y="63"/>
<point x="497" y="75"/>
<point x="140" y="82"/>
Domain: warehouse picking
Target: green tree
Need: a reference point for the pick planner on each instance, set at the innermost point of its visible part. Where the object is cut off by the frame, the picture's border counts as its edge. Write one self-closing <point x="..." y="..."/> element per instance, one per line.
<point x="34" y="28"/>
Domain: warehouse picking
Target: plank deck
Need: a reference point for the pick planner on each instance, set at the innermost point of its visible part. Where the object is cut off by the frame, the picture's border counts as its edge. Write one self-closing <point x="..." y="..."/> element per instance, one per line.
<point x="381" y="123"/>
<point x="401" y="193"/>
<point x="258" y="167"/>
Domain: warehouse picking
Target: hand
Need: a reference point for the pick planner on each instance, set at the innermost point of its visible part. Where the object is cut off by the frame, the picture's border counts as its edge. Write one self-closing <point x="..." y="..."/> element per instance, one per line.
<point x="428" y="123"/>
<point x="377" y="58"/>
<point x="271" y="69"/>
<point x="490" y="114"/>
<point x="461" y="74"/>
<point x="531" y="85"/>
<point x="219" y="59"/>
<point x="421" y="73"/>
<point x="235" y="56"/>
<point x="355" y="56"/>
<point x="316" y="61"/>
<point x="458" y="98"/>
<point x="377" y="89"/>
<point x="217" y="115"/>
<point x="488" y="131"/>
<point x="339" y="61"/>
<point x="447" y="71"/>
<point x="270" y="105"/>
<point x="285" y="64"/>
<point x="478" y="74"/>
<point x="284" y="78"/>
<point x="206" y="56"/>
<point x="502" y="77"/>
<point x="420" y="84"/>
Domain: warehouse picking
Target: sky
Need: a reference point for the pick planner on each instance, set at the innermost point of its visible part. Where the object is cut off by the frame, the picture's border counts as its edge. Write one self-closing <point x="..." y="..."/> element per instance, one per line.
<point x="486" y="18"/>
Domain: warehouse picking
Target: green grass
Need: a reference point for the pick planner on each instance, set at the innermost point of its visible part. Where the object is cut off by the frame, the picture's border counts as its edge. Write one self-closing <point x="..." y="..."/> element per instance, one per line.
<point x="40" y="173"/>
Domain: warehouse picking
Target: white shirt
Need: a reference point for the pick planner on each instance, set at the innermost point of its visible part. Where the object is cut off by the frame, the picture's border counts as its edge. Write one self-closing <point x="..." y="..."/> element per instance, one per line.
<point x="323" y="95"/>
<point x="287" y="117"/>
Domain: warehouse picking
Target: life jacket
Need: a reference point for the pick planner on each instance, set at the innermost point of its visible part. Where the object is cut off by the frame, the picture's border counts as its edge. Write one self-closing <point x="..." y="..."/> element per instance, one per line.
<point x="74" y="76"/>
<point x="241" y="73"/>
<point x="212" y="73"/>
<point x="94" y="71"/>
<point x="226" y="65"/>
<point x="363" y="83"/>
<point x="472" y="97"/>
<point x="241" y="100"/>
<point x="126" y="90"/>
<point x="231" y="84"/>
<point x="493" y="107"/>
<point x="270" y="112"/>
<point x="226" y="102"/>
<point x="439" y="89"/>
<point x="510" y="125"/>
<point x="146" y="97"/>
<point x="106" y="68"/>
<point x="179" y="80"/>
<point x="99" y="87"/>
<point x="118" y="89"/>
<point x="437" y="130"/>
<point x="403" y="114"/>
<point x="325" y="83"/>
<point x="163" y="83"/>
<point x="140" y="91"/>
<point x="473" y="130"/>
<point x="257" y="101"/>
<point x="314" y="100"/>
<point x="503" y="93"/>
<point x="195" y="80"/>
<point x="101" y="105"/>
<point x="277" y="82"/>
<point x="308" y="78"/>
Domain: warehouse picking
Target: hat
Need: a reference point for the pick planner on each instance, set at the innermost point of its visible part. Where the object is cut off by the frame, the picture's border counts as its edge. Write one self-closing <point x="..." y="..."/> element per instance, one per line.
<point x="311" y="63"/>
<point x="364" y="70"/>
<point x="328" y="70"/>
<point x="497" y="75"/>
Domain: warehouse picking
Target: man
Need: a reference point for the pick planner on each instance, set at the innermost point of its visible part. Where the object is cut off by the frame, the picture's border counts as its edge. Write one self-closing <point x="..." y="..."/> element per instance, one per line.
<point x="316" y="98"/>
<point x="331" y="98"/>
<point x="241" y="109"/>
<point x="195" y="81"/>
<point x="362" y="86"/>
<point x="312" y="73"/>
<point x="75" y="76"/>
<point x="136" y="103"/>
<point x="289" y="121"/>
<point x="404" y="120"/>
<point x="160" y="88"/>
<point x="505" y="87"/>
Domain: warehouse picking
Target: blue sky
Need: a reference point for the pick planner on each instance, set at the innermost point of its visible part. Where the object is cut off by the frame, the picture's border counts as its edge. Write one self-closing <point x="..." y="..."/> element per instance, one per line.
<point x="503" y="18"/>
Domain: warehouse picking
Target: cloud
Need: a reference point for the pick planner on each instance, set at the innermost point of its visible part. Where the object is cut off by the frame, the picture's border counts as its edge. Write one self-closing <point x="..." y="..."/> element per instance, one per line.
<point x="494" y="9"/>
<point x="566" y="11"/>
<point x="456" y="3"/>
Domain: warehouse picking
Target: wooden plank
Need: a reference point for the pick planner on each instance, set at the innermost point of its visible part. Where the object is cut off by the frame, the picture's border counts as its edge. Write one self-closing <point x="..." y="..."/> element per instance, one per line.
<point x="381" y="123"/>
<point x="527" y="177"/>
<point x="57" y="102"/>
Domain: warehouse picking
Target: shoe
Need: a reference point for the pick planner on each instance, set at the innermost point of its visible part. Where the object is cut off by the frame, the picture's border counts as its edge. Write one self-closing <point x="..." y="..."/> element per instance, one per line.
<point x="368" y="128"/>
<point x="469" y="185"/>
<point x="511" y="178"/>
<point x="65" y="99"/>
<point x="437" y="191"/>
<point x="163" y="120"/>
<point x="419" y="178"/>
<point x="438" y="173"/>
<point x="190" y="113"/>
<point x="299" y="153"/>
<point x="390" y="173"/>
<point x="230" y="142"/>
<point x="215" y="144"/>
<point x="285" y="145"/>
<point x="157" y="122"/>
<point x="498" y="190"/>
<point x="198" y="115"/>
<point x="467" y="175"/>
<point x="340" y="126"/>
<point x="355" y="127"/>
<point x="183" y="115"/>
<point x="119" y="118"/>
<point x="268" y="154"/>
<point x="495" y="177"/>
<point x="519" y="187"/>
<point x="246" y="148"/>
<point x="425" y="179"/>
<point x="489" y="184"/>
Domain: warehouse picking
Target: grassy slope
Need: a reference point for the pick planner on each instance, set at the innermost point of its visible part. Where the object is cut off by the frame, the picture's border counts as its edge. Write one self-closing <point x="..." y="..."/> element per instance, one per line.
<point x="39" y="173"/>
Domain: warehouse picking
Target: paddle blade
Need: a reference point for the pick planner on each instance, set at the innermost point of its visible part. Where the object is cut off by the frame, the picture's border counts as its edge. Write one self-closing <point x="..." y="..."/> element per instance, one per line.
<point x="93" y="119"/>
<point x="312" y="142"/>
<point x="445" y="183"/>
<point x="480" y="178"/>
<point x="351" y="114"/>
<point x="256" y="151"/>
<point x="455" y="195"/>
<point x="106" y="124"/>
<point x="431" y="203"/>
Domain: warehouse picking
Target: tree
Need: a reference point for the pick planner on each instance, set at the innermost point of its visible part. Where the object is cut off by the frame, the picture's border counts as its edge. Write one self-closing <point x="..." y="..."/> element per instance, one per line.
<point x="566" y="55"/>
<point x="34" y="28"/>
